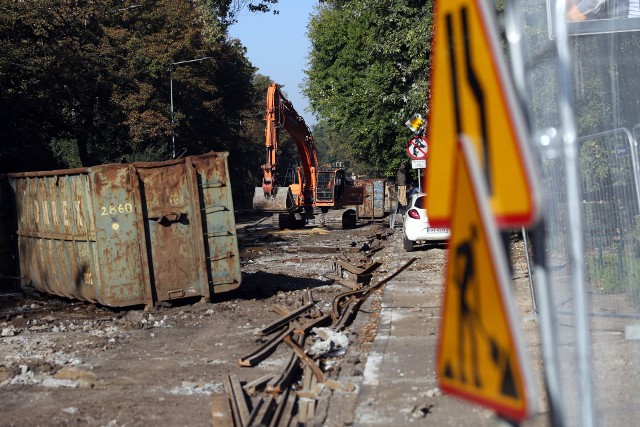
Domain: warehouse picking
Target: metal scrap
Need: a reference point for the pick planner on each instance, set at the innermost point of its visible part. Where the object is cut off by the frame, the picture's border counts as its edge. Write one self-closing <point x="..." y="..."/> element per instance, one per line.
<point x="262" y="412"/>
<point x="359" y="270"/>
<point x="258" y="384"/>
<point x="221" y="410"/>
<point x="284" y="412"/>
<point x="307" y="326"/>
<point x="237" y="399"/>
<point x="286" y="319"/>
<point x="279" y="406"/>
<point x="280" y="383"/>
<point x="265" y="350"/>
<point x="346" y="305"/>
<point x="305" y="359"/>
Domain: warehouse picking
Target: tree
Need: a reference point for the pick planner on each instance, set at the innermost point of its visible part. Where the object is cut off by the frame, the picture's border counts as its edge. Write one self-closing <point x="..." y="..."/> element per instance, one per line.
<point x="50" y="87"/>
<point x="369" y="72"/>
<point x="87" y="82"/>
<point x="333" y="147"/>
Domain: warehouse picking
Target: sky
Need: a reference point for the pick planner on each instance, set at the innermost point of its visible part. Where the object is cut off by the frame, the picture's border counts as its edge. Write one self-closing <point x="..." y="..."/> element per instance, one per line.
<point x="279" y="47"/>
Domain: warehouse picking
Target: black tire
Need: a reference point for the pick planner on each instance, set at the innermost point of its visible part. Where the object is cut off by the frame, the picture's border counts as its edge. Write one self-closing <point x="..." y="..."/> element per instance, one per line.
<point x="349" y="219"/>
<point x="408" y="244"/>
<point x="284" y="221"/>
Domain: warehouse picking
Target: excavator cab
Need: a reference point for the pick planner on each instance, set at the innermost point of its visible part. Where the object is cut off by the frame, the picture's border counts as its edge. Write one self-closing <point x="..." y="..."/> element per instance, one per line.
<point x="326" y="187"/>
<point x="332" y="188"/>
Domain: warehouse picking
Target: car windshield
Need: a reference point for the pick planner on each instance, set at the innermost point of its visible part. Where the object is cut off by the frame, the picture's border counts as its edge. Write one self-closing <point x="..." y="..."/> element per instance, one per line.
<point x="421" y="202"/>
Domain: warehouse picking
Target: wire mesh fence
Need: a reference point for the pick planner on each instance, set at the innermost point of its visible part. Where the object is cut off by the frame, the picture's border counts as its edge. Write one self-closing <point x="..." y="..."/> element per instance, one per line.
<point x="601" y="262"/>
<point x="609" y="187"/>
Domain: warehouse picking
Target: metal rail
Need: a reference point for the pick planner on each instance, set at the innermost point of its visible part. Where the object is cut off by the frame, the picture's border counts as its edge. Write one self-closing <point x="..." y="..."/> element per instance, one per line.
<point x="274" y="403"/>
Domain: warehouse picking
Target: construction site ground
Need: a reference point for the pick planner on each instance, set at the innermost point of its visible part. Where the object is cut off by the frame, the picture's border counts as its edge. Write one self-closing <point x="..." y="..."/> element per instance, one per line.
<point x="73" y="363"/>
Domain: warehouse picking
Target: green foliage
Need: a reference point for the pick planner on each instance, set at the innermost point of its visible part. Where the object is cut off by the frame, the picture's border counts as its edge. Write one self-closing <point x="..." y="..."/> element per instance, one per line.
<point x="88" y="82"/>
<point x="332" y="147"/>
<point x="615" y="265"/>
<point x="611" y="273"/>
<point x="368" y="73"/>
<point x="604" y="273"/>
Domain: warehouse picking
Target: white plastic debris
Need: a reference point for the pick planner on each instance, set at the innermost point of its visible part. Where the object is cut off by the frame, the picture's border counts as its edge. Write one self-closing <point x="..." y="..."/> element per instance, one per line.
<point x="331" y="343"/>
<point x="56" y="383"/>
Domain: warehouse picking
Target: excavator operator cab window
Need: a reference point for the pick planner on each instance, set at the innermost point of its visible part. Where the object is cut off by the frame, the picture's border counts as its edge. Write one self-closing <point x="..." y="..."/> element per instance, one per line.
<point x="324" y="192"/>
<point x="340" y="183"/>
<point x="289" y="178"/>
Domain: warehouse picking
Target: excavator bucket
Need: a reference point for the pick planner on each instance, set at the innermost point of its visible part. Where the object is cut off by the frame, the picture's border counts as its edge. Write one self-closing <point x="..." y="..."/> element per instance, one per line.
<point x="282" y="201"/>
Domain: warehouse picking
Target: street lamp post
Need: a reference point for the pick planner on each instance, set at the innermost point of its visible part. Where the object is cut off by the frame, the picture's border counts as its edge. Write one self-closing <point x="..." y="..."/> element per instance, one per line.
<point x="174" y="64"/>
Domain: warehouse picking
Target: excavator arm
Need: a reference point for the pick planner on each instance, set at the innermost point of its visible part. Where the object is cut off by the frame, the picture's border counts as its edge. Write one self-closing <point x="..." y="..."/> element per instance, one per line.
<point x="281" y="114"/>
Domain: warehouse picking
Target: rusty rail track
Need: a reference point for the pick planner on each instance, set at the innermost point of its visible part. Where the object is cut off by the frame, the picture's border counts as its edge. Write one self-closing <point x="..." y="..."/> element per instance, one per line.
<point x="274" y="402"/>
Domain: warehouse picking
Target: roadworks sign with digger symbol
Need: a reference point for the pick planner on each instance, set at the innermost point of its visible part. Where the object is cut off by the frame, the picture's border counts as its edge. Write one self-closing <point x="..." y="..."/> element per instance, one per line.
<point x="480" y="352"/>
<point x="472" y="94"/>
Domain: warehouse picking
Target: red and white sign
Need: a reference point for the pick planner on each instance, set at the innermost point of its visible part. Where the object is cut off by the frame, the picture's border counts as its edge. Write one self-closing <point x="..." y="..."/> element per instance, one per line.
<point x="417" y="148"/>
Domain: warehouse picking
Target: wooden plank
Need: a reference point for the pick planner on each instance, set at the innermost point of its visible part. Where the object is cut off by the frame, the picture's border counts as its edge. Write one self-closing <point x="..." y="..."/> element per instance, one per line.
<point x="221" y="413"/>
<point x="307" y="297"/>
<point x="303" y="409"/>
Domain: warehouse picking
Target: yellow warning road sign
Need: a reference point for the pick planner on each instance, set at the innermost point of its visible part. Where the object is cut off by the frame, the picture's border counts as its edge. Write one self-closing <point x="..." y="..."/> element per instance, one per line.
<point x="472" y="94"/>
<point x="480" y="352"/>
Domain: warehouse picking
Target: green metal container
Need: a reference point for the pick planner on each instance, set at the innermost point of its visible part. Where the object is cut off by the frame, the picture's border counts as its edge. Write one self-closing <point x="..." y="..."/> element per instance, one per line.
<point x="128" y="234"/>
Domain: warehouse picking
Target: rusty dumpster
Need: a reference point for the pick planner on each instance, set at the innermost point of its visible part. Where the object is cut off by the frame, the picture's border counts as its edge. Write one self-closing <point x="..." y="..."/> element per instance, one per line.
<point x="128" y="234"/>
<point x="375" y="196"/>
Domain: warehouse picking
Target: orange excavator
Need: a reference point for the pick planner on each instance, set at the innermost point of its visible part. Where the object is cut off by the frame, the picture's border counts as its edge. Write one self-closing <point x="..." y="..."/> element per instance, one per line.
<point x="314" y="186"/>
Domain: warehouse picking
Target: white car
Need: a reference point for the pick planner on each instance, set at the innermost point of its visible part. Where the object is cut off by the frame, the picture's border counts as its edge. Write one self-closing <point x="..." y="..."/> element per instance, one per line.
<point x="416" y="227"/>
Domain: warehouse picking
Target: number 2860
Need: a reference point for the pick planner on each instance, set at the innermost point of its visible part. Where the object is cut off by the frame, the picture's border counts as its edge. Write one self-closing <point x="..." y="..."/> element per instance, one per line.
<point x="122" y="208"/>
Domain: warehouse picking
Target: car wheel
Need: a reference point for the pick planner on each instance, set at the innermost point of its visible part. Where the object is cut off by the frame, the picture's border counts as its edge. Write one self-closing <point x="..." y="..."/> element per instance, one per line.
<point x="408" y="244"/>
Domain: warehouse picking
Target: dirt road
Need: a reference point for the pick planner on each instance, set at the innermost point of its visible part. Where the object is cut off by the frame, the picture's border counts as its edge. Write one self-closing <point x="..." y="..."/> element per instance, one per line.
<point x="70" y="363"/>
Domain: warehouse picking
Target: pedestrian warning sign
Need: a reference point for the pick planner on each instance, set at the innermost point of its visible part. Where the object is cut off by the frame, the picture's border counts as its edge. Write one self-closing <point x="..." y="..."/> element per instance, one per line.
<point x="472" y="94"/>
<point x="480" y="351"/>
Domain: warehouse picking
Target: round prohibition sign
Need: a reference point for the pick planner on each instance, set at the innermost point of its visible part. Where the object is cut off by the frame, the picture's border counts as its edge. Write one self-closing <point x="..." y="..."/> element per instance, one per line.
<point x="418" y="148"/>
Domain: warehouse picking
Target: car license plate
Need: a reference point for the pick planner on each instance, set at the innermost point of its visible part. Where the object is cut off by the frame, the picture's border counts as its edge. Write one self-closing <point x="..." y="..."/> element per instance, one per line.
<point x="437" y="230"/>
